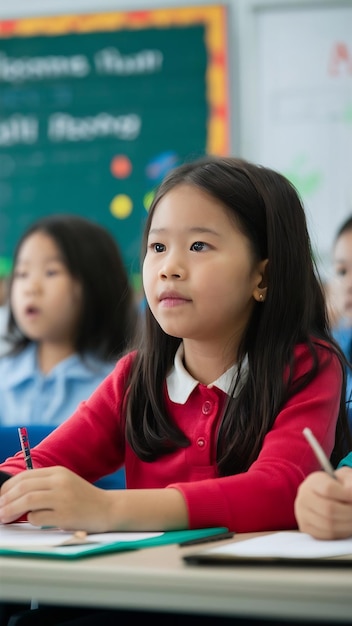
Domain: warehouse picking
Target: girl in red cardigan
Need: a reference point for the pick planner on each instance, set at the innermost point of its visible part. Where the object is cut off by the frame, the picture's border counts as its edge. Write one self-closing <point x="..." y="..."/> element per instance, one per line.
<point x="236" y="358"/>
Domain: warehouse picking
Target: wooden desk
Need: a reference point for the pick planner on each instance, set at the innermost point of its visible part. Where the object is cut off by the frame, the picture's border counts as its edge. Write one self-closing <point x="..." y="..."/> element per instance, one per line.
<point x="158" y="579"/>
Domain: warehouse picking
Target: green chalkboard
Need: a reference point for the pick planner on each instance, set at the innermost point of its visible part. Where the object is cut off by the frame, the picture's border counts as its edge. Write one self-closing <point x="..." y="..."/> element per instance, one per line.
<point x="90" y="122"/>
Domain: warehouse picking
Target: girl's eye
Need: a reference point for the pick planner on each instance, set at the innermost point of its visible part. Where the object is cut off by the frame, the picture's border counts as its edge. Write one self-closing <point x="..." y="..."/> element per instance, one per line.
<point x="19" y="274"/>
<point x="158" y="247"/>
<point x="198" y="246"/>
<point x="55" y="270"/>
<point x="340" y="271"/>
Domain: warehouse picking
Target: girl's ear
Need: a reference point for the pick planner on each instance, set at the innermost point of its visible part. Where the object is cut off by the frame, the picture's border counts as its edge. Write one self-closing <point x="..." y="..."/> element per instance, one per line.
<point x="260" y="290"/>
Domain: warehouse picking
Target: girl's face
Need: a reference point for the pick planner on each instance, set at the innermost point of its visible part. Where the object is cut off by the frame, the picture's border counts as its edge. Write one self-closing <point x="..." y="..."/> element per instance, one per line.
<point x="45" y="298"/>
<point x="199" y="274"/>
<point x="342" y="283"/>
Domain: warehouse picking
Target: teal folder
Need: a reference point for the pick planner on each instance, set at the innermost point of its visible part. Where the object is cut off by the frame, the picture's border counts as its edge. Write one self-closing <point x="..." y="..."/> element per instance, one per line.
<point x="95" y="549"/>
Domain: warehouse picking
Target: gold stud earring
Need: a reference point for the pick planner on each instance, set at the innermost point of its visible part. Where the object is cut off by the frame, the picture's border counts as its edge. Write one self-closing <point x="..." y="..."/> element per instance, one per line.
<point x="261" y="297"/>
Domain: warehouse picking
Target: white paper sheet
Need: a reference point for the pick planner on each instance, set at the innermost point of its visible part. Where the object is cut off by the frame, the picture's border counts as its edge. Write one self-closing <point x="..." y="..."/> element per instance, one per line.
<point x="24" y="534"/>
<point x="291" y="545"/>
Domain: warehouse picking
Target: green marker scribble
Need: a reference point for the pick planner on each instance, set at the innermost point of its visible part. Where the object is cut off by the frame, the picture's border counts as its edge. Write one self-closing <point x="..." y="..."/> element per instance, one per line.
<point x="306" y="182"/>
<point x="347" y="114"/>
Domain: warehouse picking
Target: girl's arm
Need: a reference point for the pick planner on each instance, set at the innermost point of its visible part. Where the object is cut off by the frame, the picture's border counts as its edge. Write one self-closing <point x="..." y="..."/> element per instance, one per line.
<point x="56" y="496"/>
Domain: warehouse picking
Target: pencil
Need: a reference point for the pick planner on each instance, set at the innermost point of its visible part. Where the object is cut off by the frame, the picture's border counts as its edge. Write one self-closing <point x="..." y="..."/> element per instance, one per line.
<point x="207" y="539"/>
<point x="24" y="441"/>
<point x="319" y="453"/>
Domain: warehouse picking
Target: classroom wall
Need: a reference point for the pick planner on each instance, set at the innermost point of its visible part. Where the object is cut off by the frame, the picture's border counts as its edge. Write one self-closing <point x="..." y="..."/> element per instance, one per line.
<point x="290" y="108"/>
<point x="298" y="91"/>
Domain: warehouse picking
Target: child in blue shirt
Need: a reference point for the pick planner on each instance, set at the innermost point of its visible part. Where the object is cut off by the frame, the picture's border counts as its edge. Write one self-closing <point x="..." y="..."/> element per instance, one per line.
<point x="341" y="300"/>
<point x="72" y="313"/>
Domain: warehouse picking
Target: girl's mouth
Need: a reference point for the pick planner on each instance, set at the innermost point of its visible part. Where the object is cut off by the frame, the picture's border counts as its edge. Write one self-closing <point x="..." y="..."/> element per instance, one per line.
<point x="31" y="311"/>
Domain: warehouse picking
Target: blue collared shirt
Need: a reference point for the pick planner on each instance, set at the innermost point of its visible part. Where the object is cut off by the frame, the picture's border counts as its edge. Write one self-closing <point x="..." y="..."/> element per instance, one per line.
<point x="343" y="336"/>
<point x="27" y="396"/>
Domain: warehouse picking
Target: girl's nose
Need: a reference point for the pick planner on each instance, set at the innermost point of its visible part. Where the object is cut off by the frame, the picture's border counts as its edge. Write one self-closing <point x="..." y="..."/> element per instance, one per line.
<point x="32" y="285"/>
<point x="172" y="268"/>
<point x="165" y="274"/>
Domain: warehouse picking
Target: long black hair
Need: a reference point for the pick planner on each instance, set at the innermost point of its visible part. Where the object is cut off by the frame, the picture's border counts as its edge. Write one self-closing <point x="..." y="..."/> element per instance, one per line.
<point x="91" y="255"/>
<point x="268" y="210"/>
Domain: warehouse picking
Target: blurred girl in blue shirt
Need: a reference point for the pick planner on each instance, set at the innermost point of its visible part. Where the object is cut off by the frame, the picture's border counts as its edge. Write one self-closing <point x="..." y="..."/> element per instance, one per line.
<point x="72" y="313"/>
<point x="341" y="299"/>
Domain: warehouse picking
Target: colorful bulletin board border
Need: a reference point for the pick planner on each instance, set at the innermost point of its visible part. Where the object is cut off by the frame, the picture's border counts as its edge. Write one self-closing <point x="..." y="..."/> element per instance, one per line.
<point x="212" y="17"/>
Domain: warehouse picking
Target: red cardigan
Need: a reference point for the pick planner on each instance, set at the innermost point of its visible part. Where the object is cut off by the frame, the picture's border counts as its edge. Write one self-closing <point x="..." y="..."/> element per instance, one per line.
<point x="92" y="444"/>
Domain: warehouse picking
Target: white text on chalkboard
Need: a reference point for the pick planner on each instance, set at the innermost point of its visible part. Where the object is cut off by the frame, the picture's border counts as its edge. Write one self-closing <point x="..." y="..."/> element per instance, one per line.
<point x="24" y="129"/>
<point x="106" y="61"/>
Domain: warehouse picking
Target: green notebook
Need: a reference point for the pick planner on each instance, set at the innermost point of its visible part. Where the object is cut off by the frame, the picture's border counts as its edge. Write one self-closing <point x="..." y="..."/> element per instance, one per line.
<point x="23" y="540"/>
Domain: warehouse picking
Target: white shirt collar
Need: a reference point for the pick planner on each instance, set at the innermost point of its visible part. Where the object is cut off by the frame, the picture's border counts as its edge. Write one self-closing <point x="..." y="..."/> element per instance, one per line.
<point x="180" y="383"/>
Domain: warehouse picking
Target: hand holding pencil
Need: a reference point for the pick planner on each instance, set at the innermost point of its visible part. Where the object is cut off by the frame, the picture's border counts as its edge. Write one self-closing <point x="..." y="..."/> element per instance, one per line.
<point x="323" y="505"/>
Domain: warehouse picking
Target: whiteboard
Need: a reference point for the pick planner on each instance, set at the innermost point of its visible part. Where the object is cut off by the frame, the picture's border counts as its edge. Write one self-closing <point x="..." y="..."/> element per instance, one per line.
<point x="302" y="74"/>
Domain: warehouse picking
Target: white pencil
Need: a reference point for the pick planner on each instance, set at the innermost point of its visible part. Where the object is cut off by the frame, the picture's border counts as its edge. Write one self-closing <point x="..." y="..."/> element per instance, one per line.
<point x="319" y="453"/>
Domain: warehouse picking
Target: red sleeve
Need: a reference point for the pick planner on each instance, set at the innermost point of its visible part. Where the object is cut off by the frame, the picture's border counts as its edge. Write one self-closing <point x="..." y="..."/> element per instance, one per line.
<point x="263" y="497"/>
<point x="91" y="442"/>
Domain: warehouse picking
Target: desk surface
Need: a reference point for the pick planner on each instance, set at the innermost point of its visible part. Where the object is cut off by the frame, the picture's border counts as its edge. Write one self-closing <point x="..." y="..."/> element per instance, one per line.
<point x="158" y="579"/>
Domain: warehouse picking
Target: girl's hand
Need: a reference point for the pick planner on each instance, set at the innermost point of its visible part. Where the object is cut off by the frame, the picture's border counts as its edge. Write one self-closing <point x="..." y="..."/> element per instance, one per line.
<point x="55" y="496"/>
<point x="323" y="506"/>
